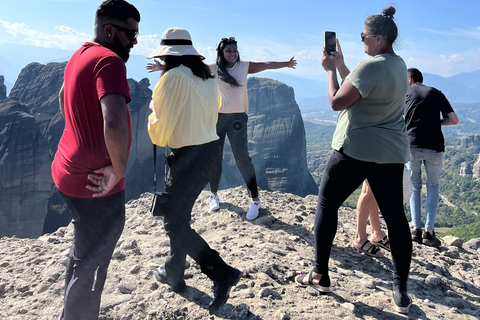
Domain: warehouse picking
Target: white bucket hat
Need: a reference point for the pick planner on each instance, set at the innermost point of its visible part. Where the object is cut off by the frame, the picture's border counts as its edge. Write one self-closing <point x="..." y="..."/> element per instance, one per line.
<point x="175" y="42"/>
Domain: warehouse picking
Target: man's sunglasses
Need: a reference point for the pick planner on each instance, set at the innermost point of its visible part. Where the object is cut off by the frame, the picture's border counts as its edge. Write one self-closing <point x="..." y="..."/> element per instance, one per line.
<point x="131" y="34"/>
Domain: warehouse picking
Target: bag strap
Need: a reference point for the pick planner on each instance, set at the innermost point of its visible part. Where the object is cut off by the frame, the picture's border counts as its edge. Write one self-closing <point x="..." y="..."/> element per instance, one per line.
<point x="155" y="169"/>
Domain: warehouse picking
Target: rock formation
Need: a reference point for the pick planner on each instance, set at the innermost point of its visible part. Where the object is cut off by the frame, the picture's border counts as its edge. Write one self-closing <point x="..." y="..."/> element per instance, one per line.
<point x="466" y="169"/>
<point x="443" y="283"/>
<point x="471" y="143"/>
<point x="276" y="133"/>
<point x="26" y="182"/>
<point x="3" y="89"/>
<point x="277" y="142"/>
<point x="476" y="169"/>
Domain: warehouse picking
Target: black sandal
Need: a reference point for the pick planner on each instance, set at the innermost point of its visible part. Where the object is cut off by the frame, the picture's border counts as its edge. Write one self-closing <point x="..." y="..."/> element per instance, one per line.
<point x="384" y="243"/>
<point x="372" y="251"/>
<point x="323" y="284"/>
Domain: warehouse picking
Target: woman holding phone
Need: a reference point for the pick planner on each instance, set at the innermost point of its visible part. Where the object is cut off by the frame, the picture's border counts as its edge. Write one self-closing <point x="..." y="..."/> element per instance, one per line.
<point x="370" y="142"/>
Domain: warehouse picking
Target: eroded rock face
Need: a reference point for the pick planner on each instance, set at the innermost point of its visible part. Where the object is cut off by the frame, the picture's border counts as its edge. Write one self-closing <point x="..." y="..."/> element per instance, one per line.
<point x="3" y="88"/>
<point x="465" y="169"/>
<point x="25" y="178"/>
<point x="277" y="142"/>
<point x="476" y="169"/>
<point x="471" y="143"/>
<point x="32" y="126"/>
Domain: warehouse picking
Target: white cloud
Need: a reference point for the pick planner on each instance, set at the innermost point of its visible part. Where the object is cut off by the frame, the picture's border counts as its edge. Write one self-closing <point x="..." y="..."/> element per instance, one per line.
<point x="447" y="65"/>
<point x="66" y="39"/>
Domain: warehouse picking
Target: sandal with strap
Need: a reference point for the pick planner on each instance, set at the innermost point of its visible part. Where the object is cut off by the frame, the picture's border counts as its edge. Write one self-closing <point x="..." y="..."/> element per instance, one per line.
<point x="384" y="243"/>
<point x="323" y="284"/>
<point x="372" y="250"/>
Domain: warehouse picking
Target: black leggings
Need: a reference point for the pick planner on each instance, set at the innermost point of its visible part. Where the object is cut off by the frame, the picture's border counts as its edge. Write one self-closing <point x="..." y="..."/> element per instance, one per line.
<point x="342" y="176"/>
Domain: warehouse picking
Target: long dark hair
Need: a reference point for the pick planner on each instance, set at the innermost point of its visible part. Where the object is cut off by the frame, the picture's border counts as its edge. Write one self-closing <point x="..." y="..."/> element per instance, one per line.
<point x="198" y="67"/>
<point x="383" y="24"/>
<point x="222" y="63"/>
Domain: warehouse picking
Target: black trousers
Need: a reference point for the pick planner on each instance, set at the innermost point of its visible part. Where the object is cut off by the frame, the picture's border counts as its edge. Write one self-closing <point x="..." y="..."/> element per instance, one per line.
<point x="234" y="125"/>
<point x="342" y="176"/>
<point x="190" y="171"/>
<point x="98" y="224"/>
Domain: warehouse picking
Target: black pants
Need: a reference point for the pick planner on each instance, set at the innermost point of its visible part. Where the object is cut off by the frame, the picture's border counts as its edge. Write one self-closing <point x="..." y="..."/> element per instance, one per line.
<point x="342" y="176"/>
<point x="190" y="171"/>
<point x="235" y="126"/>
<point x="98" y="224"/>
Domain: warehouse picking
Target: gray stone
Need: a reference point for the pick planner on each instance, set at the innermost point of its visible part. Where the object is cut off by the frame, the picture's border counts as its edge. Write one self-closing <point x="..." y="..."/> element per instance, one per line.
<point x="453" y="241"/>
<point x="473" y="244"/>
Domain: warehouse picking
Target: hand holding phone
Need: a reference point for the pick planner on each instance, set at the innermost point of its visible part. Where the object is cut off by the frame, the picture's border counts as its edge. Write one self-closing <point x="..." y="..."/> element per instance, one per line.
<point x="330" y="42"/>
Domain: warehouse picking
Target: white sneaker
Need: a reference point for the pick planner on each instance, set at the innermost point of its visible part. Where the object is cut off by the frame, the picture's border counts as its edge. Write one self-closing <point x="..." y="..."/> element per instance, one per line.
<point x="253" y="210"/>
<point x="214" y="202"/>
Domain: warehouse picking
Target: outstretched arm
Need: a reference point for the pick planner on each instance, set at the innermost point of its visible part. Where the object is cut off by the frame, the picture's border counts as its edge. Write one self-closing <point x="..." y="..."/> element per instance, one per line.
<point x="255" y="67"/>
<point x="155" y="66"/>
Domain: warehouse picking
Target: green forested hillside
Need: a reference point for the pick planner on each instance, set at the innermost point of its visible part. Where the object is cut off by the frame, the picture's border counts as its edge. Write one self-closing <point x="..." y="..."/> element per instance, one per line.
<point x="459" y="207"/>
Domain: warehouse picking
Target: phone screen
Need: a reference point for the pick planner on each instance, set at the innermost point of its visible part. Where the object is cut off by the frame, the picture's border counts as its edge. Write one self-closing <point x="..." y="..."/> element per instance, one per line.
<point x="330" y="42"/>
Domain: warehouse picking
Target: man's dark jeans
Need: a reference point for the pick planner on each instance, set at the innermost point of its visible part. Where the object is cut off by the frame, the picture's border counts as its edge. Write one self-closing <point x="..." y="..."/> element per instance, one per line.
<point x="98" y="224"/>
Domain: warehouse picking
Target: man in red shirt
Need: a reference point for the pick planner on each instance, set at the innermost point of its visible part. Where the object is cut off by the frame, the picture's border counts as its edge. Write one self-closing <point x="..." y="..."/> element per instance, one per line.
<point x="91" y="159"/>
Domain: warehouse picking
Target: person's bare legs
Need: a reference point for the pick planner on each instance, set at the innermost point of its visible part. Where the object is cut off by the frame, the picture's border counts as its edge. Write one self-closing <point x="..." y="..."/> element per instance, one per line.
<point x="367" y="208"/>
<point x="377" y="233"/>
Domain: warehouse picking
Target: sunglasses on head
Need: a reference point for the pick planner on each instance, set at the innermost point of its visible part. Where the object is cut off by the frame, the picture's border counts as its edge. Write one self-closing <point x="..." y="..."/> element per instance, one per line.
<point x="228" y="39"/>
<point x="131" y="34"/>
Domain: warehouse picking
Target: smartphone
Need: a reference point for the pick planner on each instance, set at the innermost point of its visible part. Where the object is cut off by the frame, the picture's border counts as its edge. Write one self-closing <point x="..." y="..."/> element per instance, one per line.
<point x="330" y="42"/>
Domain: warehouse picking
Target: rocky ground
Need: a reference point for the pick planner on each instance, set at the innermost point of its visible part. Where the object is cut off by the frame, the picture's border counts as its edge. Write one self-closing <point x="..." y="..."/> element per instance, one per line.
<point x="270" y="251"/>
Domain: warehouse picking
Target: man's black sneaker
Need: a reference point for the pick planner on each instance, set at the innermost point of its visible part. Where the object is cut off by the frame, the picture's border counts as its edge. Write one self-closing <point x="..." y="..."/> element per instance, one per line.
<point x="417" y="235"/>
<point x="221" y="290"/>
<point x="401" y="299"/>
<point x="430" y="239"/>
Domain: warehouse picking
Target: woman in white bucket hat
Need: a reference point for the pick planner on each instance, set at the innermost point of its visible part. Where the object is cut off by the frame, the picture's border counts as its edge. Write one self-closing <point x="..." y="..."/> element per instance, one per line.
<point x="185" y="105"/>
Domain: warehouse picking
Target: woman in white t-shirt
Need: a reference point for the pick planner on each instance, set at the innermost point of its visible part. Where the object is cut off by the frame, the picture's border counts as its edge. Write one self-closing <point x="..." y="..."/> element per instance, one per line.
<point x="231" y="74"/>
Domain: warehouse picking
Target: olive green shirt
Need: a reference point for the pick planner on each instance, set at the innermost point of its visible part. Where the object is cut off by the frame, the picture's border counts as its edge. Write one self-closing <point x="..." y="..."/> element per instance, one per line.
<point x="373" y="128"/>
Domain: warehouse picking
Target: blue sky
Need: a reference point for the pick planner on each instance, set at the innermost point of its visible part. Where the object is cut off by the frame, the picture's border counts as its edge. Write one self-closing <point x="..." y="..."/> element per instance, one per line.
<point x="440" y="37"/>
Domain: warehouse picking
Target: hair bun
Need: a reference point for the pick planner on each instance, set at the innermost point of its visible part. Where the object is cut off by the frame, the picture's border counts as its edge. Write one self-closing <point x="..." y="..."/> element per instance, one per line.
<point x="389" y="12"/>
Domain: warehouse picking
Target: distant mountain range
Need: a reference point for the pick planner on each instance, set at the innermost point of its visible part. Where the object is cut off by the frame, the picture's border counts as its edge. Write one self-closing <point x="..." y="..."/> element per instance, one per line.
<point x="460" y="88"/>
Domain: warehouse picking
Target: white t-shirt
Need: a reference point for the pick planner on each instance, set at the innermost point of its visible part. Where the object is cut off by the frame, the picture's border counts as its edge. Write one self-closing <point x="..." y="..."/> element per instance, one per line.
<point x="234" y="99"/>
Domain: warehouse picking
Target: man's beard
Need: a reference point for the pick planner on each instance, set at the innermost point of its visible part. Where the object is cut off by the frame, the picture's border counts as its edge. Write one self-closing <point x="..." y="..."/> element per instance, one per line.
<point x="119" y="49"/>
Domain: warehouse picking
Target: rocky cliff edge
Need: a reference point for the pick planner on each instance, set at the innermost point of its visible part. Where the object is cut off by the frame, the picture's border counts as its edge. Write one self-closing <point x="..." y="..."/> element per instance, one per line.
<point x="270" y="251"/>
